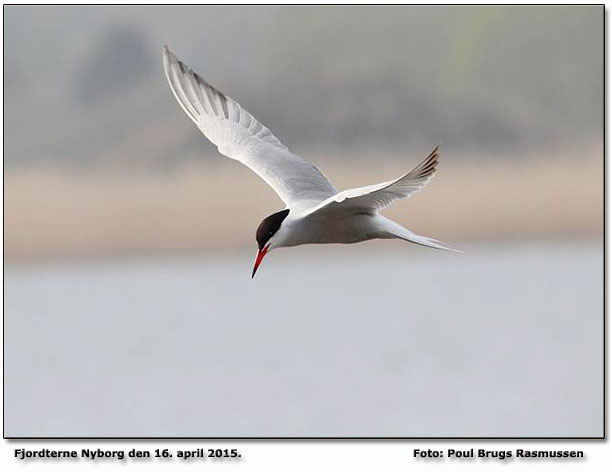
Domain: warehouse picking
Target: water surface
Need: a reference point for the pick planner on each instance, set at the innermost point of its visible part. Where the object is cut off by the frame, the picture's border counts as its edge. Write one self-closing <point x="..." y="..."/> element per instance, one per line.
<point x="335" y="341"/>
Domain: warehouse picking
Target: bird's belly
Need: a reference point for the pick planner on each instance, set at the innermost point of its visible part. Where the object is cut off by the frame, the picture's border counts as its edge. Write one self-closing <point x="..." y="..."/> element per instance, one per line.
<point x="345" y="230"/>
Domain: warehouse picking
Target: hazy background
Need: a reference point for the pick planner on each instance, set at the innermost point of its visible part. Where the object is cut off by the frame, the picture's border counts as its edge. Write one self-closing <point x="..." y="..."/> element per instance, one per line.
<point x="129" y="309"/>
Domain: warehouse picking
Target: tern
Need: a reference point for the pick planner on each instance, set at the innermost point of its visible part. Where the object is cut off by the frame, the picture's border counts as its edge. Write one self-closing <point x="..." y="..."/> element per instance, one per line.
<point x="315" y="212"/>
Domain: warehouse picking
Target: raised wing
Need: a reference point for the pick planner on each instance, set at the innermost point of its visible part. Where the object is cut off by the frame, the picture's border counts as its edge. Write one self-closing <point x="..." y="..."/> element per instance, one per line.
<point x="237" y="134"/>
<point x="373" y="198"/>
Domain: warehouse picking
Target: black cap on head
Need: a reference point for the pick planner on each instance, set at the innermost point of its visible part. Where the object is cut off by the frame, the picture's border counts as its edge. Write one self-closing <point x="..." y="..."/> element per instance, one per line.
<point x="268" y="227"/>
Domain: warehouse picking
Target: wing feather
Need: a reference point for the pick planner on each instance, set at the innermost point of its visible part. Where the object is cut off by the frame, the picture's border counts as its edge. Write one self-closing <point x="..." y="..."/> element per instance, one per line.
<point x="238" y="135"/>
<point x="373" y="198"/>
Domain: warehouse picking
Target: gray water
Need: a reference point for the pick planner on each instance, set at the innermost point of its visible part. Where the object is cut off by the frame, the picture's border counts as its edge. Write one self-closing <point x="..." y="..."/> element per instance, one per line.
<point x="326" y="341"/>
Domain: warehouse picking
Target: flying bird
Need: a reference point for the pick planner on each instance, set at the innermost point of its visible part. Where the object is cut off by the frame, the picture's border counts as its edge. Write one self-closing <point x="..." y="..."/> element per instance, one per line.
<point x="315" y="212"/>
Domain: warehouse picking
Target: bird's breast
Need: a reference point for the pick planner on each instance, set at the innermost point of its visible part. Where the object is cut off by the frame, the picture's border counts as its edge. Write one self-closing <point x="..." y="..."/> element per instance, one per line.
<point x="329" y="230"/>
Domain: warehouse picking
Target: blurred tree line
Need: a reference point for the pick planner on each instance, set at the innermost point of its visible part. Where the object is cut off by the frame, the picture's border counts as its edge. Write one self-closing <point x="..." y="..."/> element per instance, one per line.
<point x="84" y="85"/>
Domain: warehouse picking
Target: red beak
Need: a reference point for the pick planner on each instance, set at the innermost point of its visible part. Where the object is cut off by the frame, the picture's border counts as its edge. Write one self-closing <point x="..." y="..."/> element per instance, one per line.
<point x="260" y="255"/>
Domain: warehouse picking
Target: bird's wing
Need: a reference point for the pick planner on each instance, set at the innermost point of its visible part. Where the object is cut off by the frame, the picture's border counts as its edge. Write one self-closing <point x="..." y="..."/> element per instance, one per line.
<point x="237" y="134"/>
<point x="373" y="198"/>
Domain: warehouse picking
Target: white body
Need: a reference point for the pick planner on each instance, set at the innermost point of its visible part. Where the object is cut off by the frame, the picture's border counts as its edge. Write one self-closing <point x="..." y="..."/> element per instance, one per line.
<point x="328" y="229"/>
<point x="318" y="213"/>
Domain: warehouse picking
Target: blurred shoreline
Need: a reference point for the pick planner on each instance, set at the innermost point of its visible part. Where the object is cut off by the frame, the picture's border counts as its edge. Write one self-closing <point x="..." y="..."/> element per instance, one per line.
<point x="217" y="204"/>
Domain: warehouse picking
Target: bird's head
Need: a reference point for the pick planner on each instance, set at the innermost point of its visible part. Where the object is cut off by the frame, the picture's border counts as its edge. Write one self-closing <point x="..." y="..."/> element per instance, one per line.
<point x="266" y="231"/>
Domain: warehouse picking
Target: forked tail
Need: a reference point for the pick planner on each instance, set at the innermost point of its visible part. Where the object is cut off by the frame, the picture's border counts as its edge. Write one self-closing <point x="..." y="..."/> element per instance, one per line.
<point x="395" y="230"/>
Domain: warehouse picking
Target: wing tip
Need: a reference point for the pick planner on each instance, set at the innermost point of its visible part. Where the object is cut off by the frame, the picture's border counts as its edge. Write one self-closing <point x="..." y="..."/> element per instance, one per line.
<point x="429" y="164"/>
<point x="168" y="58"/>
<point x="434" y="155"/>
<point x="166" y="53"/>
